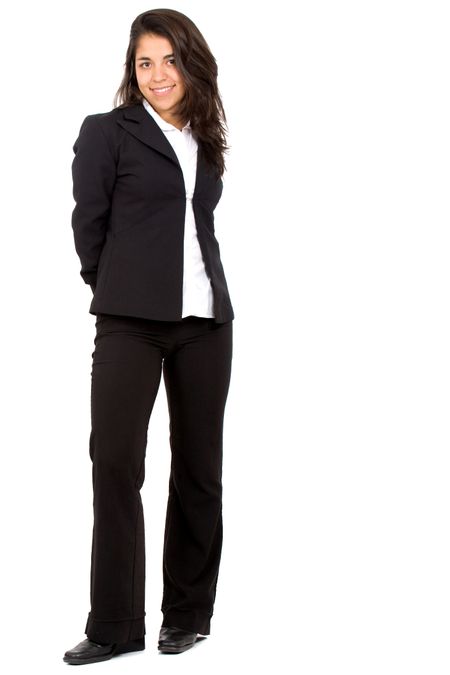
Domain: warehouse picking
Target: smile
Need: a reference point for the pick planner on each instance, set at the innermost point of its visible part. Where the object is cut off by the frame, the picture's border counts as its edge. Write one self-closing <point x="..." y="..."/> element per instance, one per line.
<point x="162" y="90"/>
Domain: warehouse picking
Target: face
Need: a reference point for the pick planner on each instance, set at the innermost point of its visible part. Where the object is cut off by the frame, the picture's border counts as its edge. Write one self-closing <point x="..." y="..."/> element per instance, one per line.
<point x="157" y="76"/>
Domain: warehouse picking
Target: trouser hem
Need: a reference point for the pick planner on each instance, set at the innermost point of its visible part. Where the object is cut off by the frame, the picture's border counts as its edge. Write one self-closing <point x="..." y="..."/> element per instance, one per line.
<point x="115" y="632"/>
<point x="191" y="620"/>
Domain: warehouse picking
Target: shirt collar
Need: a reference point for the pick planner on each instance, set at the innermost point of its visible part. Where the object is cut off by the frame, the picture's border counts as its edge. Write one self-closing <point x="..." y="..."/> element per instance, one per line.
<point x="165" y="126"/>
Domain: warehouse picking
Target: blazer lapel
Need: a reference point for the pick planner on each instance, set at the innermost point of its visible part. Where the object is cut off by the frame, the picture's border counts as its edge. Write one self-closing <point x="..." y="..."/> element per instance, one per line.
<point x="142" y="126"/>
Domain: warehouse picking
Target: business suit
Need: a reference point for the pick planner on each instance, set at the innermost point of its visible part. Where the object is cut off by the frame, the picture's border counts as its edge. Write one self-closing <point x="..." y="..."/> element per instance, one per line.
<point x="128" y="229"/>
<point x="128" y="223"/>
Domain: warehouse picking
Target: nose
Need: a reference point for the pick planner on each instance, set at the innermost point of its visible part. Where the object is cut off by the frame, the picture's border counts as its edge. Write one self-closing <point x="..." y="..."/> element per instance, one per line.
<point x="158" y="74"/>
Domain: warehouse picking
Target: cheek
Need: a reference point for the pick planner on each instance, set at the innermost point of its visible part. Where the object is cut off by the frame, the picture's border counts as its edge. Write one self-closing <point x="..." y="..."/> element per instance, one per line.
<point x="181" y="88"/>
<point x="178" y="79"/>
<point x="141" y="78"/>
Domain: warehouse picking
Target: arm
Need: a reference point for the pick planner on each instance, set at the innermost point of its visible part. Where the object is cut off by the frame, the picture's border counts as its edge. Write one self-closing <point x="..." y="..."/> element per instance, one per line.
<point x="94" y="175"/>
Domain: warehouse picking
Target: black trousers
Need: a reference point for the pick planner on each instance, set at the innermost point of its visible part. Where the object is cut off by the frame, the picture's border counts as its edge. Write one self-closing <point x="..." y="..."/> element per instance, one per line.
<point x="195" y="357"/>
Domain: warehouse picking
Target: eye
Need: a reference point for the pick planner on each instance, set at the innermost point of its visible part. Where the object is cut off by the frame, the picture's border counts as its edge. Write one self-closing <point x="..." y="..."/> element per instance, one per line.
<point x="144" y="64"/>
<point x="171" y="61"/>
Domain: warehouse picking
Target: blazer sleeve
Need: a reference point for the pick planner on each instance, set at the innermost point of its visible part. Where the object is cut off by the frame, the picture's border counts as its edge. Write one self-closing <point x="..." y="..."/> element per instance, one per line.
<point x="93" y="175"/>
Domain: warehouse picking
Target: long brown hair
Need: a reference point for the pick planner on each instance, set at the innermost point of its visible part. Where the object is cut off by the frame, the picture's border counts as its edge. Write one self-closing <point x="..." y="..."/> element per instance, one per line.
<point x="202" y="103"/>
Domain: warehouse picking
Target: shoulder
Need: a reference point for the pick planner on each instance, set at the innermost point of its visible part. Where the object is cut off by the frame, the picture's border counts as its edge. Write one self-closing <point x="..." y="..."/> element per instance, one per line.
<point x="108" y="120"/>
<point x="104" y="125"/>
<point x="112" y="115"/>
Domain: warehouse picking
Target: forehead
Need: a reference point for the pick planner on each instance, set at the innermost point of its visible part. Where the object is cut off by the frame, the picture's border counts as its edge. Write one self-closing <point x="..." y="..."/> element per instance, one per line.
<point x="153" y="45"/>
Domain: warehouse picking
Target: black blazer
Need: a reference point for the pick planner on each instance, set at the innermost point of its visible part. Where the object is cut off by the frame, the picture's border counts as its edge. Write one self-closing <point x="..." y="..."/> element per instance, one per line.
<point x="128" y="221"/>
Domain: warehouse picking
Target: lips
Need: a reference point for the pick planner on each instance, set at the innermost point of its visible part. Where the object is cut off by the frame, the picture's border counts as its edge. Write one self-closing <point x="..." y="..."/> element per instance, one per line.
<point x="162" y="90"/>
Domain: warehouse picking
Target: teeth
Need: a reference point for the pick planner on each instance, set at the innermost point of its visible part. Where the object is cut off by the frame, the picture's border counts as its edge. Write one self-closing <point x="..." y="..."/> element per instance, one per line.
<point x="163" y="89"/>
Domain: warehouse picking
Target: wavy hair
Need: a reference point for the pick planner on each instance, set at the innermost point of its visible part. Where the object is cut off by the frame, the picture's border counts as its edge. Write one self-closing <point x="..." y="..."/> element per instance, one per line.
<point x="202" y="103"/>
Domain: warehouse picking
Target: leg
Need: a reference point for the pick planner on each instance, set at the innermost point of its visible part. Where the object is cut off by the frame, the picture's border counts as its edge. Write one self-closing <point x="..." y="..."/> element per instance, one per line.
<point x="126" y="374"/>
<point x="197" y="376"/>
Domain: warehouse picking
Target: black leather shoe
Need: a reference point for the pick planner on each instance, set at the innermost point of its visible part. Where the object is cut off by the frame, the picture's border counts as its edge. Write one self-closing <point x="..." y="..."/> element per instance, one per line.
<point x="88" y="651"/>
<point x="175" y="640"/>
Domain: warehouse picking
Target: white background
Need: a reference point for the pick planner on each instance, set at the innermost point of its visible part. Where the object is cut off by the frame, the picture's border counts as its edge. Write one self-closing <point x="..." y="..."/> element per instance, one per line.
<point x="334" y="234"/>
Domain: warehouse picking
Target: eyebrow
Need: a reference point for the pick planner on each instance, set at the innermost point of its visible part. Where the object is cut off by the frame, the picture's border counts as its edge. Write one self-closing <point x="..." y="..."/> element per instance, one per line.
<point x="147" y="58"/>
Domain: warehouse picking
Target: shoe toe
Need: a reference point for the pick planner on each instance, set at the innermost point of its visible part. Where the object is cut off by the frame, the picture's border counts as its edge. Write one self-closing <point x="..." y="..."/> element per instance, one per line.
<point x="87" y="650"/>
<point x="175" y="639"/>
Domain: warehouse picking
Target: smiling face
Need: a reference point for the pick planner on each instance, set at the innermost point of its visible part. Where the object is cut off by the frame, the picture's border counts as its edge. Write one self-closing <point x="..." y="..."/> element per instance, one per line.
<point x="157" y="76"/>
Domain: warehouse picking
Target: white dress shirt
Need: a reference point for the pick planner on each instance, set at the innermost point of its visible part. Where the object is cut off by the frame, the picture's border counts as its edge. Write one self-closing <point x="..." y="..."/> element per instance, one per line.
<point x="197" y="290"/>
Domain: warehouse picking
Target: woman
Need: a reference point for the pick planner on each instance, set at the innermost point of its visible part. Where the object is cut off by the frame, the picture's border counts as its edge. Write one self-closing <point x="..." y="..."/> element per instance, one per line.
<point x="147" y="178"/>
